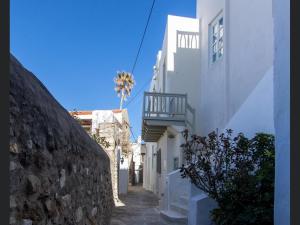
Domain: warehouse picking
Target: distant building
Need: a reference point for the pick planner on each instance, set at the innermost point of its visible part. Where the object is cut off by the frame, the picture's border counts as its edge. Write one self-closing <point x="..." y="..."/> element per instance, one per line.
<point x="137" y="159"/>
<point x="114" y="126"/>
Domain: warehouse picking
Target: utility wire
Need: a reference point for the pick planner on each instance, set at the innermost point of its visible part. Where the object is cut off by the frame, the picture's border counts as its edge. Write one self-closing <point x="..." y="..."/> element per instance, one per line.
<point x="136" y="58"/>
<point x="138" y="53"/>
<point x="139" y="91"/>
<point x="132" y="134"/>
<point x="142" y="40"/>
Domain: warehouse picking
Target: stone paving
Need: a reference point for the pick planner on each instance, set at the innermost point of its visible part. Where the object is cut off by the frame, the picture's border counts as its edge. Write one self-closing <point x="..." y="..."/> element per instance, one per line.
<point x="140" y="207"/>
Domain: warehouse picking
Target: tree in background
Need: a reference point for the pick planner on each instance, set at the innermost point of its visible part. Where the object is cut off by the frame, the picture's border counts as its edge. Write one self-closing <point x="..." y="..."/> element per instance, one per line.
<point x="124" y="83"/>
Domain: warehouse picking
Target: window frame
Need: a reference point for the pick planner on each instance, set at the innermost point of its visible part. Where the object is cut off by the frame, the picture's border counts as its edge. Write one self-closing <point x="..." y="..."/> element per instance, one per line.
<point x="219" y="35"/>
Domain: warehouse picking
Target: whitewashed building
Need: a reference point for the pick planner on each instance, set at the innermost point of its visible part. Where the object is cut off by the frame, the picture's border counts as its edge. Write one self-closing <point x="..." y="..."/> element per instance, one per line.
<point x="168" y="109"/>
<point x="137" y="159"/>
<point x="149" y="168"/>
<point x="214" y="71"/>
<point x="114" y="126"/>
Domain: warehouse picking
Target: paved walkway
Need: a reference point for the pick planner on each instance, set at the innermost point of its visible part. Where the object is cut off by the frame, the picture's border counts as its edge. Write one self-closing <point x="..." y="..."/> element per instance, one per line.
<point x="141" y="208"/>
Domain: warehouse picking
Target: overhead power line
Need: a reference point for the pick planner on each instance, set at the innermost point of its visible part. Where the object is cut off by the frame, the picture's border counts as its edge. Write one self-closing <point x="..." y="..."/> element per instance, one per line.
<point x="132" y="134"/>
<point x="142" y="40"/>
<point x="139" y="91"/>
<point x="138" y="53"/>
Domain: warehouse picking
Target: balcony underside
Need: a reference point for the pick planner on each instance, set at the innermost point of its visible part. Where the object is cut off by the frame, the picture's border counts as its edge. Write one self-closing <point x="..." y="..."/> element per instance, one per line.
<point x="153" y="129"/>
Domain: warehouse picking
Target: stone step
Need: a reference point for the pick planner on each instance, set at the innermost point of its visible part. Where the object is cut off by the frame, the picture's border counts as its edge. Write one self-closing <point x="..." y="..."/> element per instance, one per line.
<point x="184" y="199"/>
<point x="180" y="208"/>
<point x="173" y="216"/>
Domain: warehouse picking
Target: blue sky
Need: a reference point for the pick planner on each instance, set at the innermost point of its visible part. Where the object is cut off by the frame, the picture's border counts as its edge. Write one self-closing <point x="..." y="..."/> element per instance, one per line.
<point x="76" y="47"/>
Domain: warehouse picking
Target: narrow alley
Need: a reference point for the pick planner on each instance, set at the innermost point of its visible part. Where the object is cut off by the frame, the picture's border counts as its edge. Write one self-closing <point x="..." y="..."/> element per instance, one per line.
<point x="140" y="208"/>
<point x="153" y="113"/>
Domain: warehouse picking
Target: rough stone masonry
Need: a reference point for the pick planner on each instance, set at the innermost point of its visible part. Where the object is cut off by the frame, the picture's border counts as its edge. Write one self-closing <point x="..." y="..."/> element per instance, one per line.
<point x="58" y="174"/>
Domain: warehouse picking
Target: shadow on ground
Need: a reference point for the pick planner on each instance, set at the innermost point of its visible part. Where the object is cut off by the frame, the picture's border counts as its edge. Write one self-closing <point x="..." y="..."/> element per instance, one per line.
<point x="141" y="208"/>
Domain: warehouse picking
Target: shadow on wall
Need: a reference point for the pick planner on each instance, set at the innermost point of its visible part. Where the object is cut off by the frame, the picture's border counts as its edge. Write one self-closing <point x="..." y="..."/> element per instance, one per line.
<point x="185" y="79"/>
<point x="186" y="72"/>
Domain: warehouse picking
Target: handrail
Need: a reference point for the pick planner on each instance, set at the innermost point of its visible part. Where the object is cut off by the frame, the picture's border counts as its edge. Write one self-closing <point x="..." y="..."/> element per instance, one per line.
<point x="167" y="106"/>
<point x="164" y="103"/>
<point x="163" y="94"/>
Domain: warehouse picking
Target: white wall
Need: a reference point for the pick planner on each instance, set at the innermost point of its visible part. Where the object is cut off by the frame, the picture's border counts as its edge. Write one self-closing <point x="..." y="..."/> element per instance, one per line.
<point x="281" y="15"/>
<point x="248" y="54"/>
<point x="150" y="177"/>
<point x="182" y="63"/>
<point x="85" y="117"/>
<point x="174" y="24"/>
<point x="256" y="113"/>
<point x="212" y="87"/>
<point x="163" y="145"/>
<point x="169" y="144"/>
<point x="238" y="87"/>
<point x="100" y="116"/>
<point x="137" y="158"/>
<point x="123" y="180"/>
<point x="250" y="44"/>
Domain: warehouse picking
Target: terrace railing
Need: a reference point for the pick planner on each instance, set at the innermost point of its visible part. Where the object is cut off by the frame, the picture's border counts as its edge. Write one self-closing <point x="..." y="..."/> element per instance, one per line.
<point x="166" y="107"/>
<point x="187" y="40"/>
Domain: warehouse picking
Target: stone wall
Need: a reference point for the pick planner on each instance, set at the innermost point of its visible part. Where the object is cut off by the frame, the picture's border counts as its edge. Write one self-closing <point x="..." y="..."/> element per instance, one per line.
<point x="58" y="174"/>
<point x="110" y="130"/>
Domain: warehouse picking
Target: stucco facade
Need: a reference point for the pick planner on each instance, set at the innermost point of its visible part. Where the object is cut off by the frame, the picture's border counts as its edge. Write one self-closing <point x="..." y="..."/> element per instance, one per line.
<point x="232" y="88"/>
<point x="176" y="68"/>
<point x="150" y="175"/>
<point x="248" y="57"/>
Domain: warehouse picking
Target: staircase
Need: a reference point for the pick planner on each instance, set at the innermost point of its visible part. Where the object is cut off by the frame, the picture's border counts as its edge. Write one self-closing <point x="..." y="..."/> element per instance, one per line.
<point x="178" y="199"/>
<point x="177" y="211"/>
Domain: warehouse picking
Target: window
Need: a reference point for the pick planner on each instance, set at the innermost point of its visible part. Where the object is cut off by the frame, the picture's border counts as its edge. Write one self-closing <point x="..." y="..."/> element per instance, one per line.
<point x="217" y="38"/>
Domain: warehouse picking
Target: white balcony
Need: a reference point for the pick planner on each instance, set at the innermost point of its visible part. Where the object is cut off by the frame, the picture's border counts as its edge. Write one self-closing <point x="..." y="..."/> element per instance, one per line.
<point x="161" y="110"/>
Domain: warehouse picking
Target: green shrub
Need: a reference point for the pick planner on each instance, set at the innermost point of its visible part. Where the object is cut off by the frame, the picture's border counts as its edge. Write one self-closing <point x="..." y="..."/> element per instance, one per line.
<point x="237" y="172"/>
